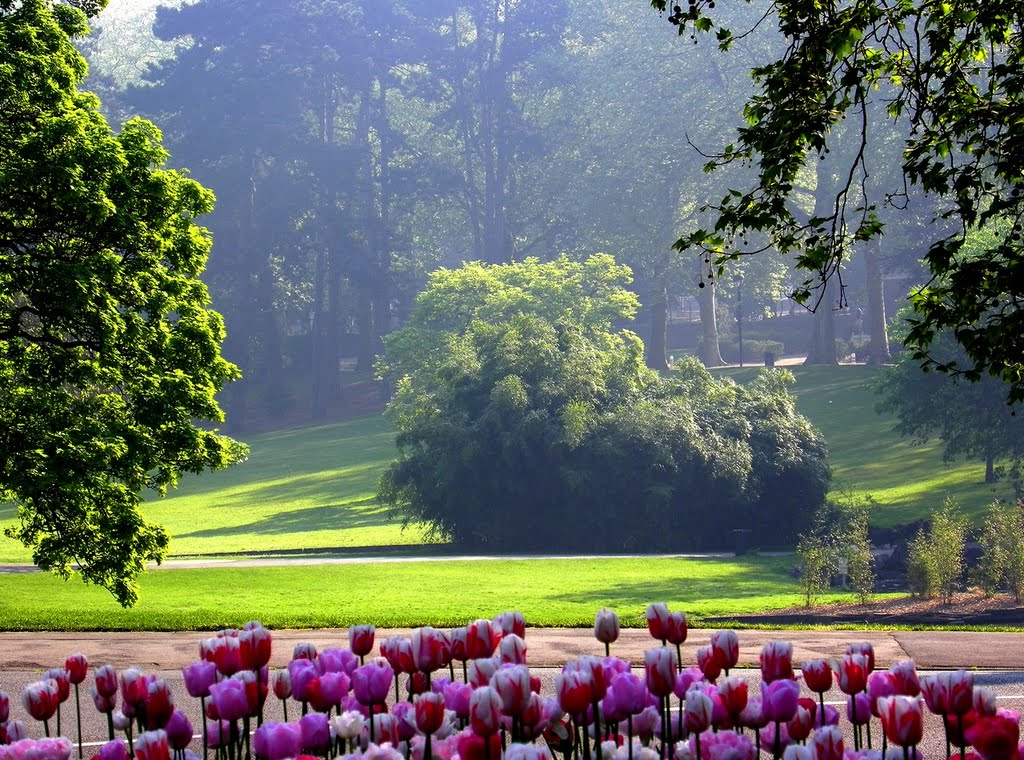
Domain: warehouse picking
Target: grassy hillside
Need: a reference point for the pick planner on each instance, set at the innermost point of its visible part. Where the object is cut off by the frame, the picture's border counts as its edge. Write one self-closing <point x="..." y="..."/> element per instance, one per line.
<point x="313" y="488"/>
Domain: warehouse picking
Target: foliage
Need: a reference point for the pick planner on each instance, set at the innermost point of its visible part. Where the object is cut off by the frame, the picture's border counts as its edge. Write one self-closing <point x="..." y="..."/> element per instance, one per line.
<point x="971" y="419"/>
<point x="857" y="551"/>
<point x="519" y="405"/>
<point x="817" y="565"/>
<point x="947" y="75"/>
<point x="109" y="353"/>
<point x="1002" y="549"/>
<point x="935" y="564"/>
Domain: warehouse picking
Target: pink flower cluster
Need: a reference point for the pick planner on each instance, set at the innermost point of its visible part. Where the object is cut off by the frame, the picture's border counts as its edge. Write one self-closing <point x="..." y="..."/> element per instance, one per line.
<point x="353" y="705"/>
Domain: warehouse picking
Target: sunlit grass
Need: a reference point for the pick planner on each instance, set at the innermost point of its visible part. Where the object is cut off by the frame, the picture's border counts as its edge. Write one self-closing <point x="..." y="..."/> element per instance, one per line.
<point x="548" y="592"/>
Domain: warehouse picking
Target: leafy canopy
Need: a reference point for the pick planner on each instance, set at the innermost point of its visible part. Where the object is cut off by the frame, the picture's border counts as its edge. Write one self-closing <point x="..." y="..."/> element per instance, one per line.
<point x="109" y="352"/>
<point x="526" y="418"/>
<point x="949" y="73"/>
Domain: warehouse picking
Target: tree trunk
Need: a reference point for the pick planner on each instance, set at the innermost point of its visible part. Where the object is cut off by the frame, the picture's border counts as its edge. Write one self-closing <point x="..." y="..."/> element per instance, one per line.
<point x="990" y="466"/>
<point x="659" y="324"/>
<point x="710" y="353"/>
<point x="878" y="350"/>
<point x="823" y="332"/>
<point x="318" y="390"/>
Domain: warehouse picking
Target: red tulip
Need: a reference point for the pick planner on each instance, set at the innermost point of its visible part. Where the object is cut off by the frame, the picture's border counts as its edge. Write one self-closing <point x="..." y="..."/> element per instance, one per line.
<point x="904" y="675"/>
<point x="106" y="681"/>
<point x="481" y="639"/>
<point x="676" y="630"/>
<point x="574" y="689"/>
<point x="281" y="682"/>
<point x="429" y="712"/>
<point x="995" y="737"/>
<point x="5" y="708"/>
<point x="471" y="746"/>
<point x="398" y="653"/>
<point x="799" y="726"/>
<point x="863" y="648"/>
<point x="698" y="711"/>
<point x="159" y="704"/>
<point x="430" y="649"/>
<point x="818" y="675"/>
<point x="227" y="655"/>
<point x="509" y="623"/>
<point x="726" y="646"/>
<point x="152" y="745"/>
<point x="708" y="663"/>
<point x="734" y="694"/>
<point x="485" y="711"/>
<point x="77" y="667"/>
<point x="606" y="626"/>
<point x="828" y="743"/>
<point x="254" y="647"/>
<point x="41" y="699"/>
<point x="458" y="637"/>
<point x="360" y="639"/>
<point x="657" y="621"/>
<point x="60" y="675"/>
<point x="902" y="720"/>
<point x="660" y="669"/>
<point x="134" y="687"/>
<point x="777" y="661"/>
<point x="853" y="673"/>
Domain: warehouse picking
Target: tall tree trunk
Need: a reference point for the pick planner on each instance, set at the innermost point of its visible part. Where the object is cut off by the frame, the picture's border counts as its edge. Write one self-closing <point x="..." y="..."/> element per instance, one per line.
<point x="878" y="350"/>
<point x="823" y="333"/>
<point x="318" y="395"/>
<point x="710" y="353"/>
<point x="656" y="358"/>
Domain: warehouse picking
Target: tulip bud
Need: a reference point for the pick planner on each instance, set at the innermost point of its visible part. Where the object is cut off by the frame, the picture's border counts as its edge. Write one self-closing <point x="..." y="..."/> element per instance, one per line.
<point x="660" y="668"/>
<point x="777" y="661"/>
<point x="657" y="621"/>
<point x="360" y="639"/>
<point x="304" y="651"/>
<point x="485" y="711"/>
<point x="277" y="741"/>
<point x="853" y="673"/>
<point x="106" y="680"/>
<point x="481" y="639"/>
<point x="708" y="663"/>
<point x="818" y="675"/>
<point x="902" y="720"/>
<point x="458" y="637"/>
<point x="726" y="645"/>
<point x="77" y="667"/>
<point x="606" y="626"/>
<point x="574" y="689"/>
<point x="281" y="682"/>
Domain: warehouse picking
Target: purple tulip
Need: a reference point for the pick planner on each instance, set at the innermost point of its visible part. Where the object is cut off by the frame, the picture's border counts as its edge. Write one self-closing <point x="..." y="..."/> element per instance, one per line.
<point x="179" y="730"/>
<point x="302" y="672"/>
<point x="779" y="700"/>
<point x="229" y="699"/>
<point x="276" y="741"/>
<point x="372" y="682"/>
<point x="336" y="660"/>
<point x="629" y="693"/>
<point x="316" y="732"/>
<point x="199" y="677"/>
<point x="115" y="750"/>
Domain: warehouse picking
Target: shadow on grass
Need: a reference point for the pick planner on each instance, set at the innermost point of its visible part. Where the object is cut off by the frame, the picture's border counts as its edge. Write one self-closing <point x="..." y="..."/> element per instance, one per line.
<point x="365" y="513"/>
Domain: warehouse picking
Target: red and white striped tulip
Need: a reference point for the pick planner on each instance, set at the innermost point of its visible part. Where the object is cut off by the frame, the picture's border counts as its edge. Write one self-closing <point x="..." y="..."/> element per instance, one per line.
<point x="902" y="720"/>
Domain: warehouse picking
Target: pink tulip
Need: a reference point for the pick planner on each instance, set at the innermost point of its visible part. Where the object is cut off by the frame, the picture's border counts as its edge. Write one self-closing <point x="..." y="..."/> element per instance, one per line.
<point x="77" y="667"/>
<point x="481" y="639"/>
<point x="152" y="745"/>
<point x="698" y="711"/>
<point x="512" y="649"/>
<point x="229" y="699"/>
<point x="114" y="750"/>
<point x="880" y="684"/>
<point x="606" y="626"/>
<point x="777" y="661"/>
<point x="316" y="733"/>
<point x="867" y="650"/>
<point x="218" y="733"/>
<point x="404" y="725"/>
<point x="657" y="621"/>
<point x="818" y="675"/>
<point x="371" y="682"/>
<point x="828" y="743"/>
<point x="686" y="678"/>
<point x="513" y="686"/>
<point x="336" y="660"/>
<point x="159" y="704"/>
<point x="199" y="677"/>
<point x="724" y="745"/>
<point x="726" y="646"/>
<point x="660" y="669"/>
<point x="509" y="623"/>
<point x="429" y="712"/>
<point x="254" y="646"/>
<point x="779" y="700"/>
<point x="106" y="680"/>
<point x="179" y="730"/>
<point x="485" y="711"/>
<point x="398" y="653"/>
<point x="41" y="699"/>
<point x="904" y="675"/>
<point x="630" y="694"/>
<point x="277" y="741"/>
<point x="902" y="720"/>
<point x="456" y="698"/>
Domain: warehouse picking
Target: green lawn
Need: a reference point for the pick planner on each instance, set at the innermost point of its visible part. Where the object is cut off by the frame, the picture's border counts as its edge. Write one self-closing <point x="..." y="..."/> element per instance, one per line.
<point x="868" y="459"/>
<point x="313" y="488"/>
<point x="548" y="592"/>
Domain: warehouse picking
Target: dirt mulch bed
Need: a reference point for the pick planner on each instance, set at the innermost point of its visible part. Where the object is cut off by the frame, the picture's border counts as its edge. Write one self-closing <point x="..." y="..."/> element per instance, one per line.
<point x="968" y="608"/>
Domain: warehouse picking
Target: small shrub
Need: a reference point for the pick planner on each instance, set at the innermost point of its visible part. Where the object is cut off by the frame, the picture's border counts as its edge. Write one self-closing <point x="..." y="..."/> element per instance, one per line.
<point x="817" y="564"/>
<point x="1002" y="550"/>
<point x="860" y="564"/>
<point x="920" y="573"/>
<point x="935" y="561"/>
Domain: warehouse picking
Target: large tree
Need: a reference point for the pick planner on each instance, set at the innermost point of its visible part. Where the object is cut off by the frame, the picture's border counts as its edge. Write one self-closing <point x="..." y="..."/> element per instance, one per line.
<point x="109" y="352"/>
<point x="526" y="419"/>
<point x="948" y="73"/>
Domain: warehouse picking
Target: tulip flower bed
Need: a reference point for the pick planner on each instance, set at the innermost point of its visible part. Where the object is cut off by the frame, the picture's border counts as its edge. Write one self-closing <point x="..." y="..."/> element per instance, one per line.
<point x="470" y="694"/>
